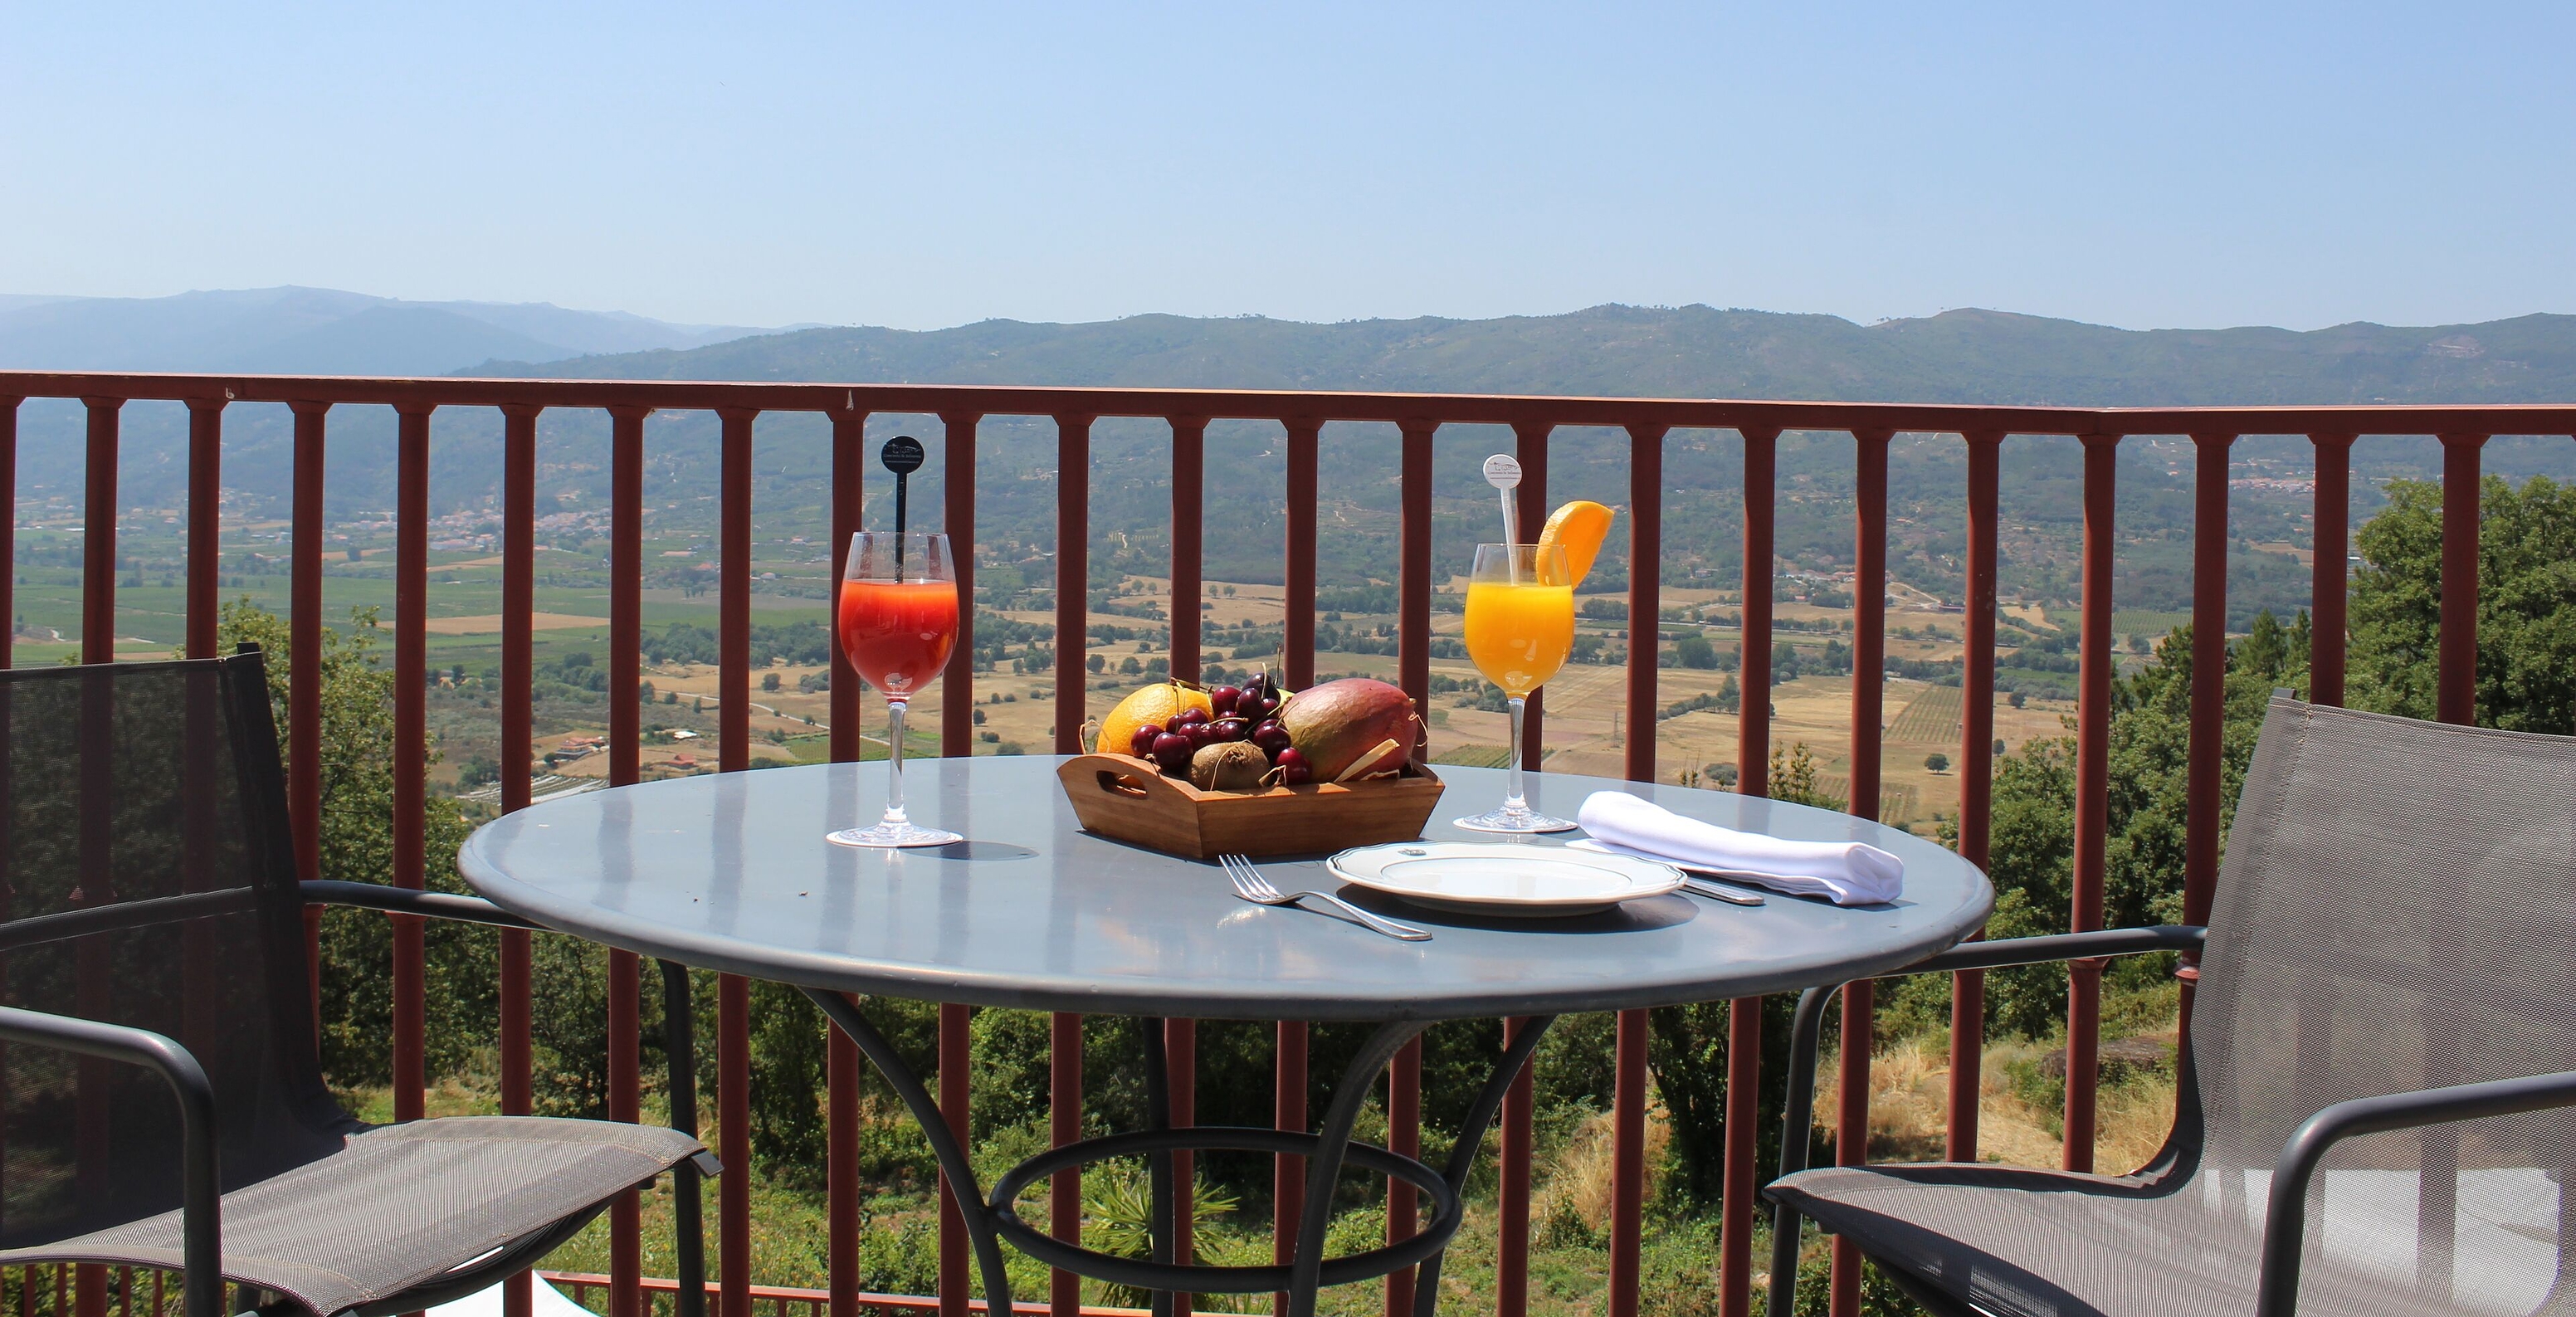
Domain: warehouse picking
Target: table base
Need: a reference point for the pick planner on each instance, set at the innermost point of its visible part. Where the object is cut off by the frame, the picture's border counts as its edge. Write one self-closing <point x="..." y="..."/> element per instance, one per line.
<point x="990" y="1220"/>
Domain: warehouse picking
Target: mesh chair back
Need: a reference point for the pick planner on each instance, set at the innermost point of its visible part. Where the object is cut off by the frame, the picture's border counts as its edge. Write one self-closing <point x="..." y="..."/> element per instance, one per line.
<point x="2397" y="911"/>
<point x="146" y="879"/>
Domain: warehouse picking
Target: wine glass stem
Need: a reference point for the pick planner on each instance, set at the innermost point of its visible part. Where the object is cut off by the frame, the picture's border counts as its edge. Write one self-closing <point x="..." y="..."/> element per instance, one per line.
<point x="894" y="763"/>
<point x="1513" y="801"/>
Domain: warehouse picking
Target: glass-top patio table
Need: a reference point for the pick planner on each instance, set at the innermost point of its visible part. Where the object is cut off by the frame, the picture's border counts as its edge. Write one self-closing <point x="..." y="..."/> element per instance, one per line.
<point x="731" y="872"/>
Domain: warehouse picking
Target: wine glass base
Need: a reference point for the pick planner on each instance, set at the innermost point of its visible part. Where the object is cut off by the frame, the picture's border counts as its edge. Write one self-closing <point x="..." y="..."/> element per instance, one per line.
<point x="890" y="836"/>
<point x="1515" y="820"/>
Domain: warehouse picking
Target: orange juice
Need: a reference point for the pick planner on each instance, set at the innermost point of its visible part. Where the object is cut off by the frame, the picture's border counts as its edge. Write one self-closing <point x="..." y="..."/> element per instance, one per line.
<point x="1519" y="634"/>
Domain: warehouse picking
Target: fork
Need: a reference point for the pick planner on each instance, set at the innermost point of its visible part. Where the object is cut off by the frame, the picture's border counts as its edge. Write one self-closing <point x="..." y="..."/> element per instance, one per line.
<point x="1251" y="886"/>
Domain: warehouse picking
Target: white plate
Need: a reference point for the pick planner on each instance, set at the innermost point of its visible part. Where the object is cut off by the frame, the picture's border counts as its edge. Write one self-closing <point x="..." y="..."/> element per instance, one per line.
<point x="1503" y="878"/>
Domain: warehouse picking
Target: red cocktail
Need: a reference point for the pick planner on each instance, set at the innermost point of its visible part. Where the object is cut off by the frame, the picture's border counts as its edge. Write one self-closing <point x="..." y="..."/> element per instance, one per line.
<point x="897" y="634"/>
<point x="898" y="616"/>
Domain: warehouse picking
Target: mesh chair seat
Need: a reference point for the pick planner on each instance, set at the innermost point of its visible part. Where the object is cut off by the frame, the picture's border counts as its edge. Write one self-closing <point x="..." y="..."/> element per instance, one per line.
<point x="2027" y="1243"/>
<point x="400" y="1206"/>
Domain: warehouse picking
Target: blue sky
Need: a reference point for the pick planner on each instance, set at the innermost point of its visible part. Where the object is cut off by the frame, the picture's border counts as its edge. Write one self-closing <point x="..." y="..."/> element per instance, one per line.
<point x="925" y="165"/>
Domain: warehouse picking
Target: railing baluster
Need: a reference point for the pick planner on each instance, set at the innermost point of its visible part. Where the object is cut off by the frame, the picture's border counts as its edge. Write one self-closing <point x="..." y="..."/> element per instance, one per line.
<point x="1645" y="593"/>
<point x="1413" y="577"/>
<point x="1752" y="778"/>
<point x="733" y="755"/>
<point x="1753" y="648"/>
<point x="1743" y="1146"/>
<point x="955" y="1058"/>
<point x="2092" y="792"/>
<point x="841" y="1056"/>
<point x="205" y="528"/>
<point x="2204" y="782"/>
<point x="1512" y="1199"/>
<point x="1189" y="488"/>
<point x="1073" y="582"/>
<point x="411" y="752"/>
<point x="9" y="559"/>
<point x="625" y="766"/>
<point x="1627" y="1155"/>
<point x="1403" y="1138"/>
<point x="1064" y="1125"/>
<point x="1529" y="442"/>
<point x="957" y="692"/>
<point x="1645" y="646"/>
<point x="1181" y="1053"/>
<point x="841" y="1245"/>
<point x="1869" y="677"/>
<point x="1296" y="656"/>
<point x="1298" y="603"/>
<point x="98" y="535"/>
<point x="518" y="761"/>
<point x="98" y="645"/>
<point x="2330" y="568"/>
<point x="1288" y="1112"/>
<point x="2456" y="676"/>
<point x="304" y="679"/>
<point x="1976" y="778"/>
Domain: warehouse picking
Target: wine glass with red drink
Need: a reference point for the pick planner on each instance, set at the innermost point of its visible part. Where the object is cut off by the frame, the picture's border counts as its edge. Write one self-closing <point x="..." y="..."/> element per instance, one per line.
<point x="898" y="620"/>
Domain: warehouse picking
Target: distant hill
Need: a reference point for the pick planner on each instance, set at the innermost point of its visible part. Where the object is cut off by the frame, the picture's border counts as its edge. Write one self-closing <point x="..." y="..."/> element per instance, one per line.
<point x="316" y="331"/>
<point x="1694" y="351"/>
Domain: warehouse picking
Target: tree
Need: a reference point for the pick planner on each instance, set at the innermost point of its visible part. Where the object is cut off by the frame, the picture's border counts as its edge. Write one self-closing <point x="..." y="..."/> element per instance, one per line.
<point x="1937" y="762"/>
<point x="2526" y="605"/>
<point x="769" y="681"/>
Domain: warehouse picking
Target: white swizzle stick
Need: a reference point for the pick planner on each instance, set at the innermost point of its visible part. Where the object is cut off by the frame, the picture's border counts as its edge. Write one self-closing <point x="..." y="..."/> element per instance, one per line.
<point x="1503" y="472"/>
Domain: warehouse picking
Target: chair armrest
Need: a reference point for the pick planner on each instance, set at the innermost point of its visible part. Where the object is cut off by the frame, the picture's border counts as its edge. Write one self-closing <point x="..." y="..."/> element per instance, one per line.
<point x="411" y="901"/>
<point x="1808" y="1028"/>
<point x="201" y="1194"/>
<point x="2285" y="1220"/>
<point x="1805" y="1033"/>
<point x="2061" y="946"/>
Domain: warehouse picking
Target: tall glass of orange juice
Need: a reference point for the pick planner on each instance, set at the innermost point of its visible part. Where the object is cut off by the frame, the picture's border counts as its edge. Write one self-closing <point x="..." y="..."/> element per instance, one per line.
<point x="897" y="620"/>
<point x="1520" y="627"/>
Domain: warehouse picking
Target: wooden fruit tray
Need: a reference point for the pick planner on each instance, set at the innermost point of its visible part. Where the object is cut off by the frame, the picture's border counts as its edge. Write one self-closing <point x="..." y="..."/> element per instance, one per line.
<point x="1124" y="797"/>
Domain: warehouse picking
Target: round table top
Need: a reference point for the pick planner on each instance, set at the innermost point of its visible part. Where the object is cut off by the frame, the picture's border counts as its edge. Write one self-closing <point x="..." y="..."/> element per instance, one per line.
<point x="731" y="872"/>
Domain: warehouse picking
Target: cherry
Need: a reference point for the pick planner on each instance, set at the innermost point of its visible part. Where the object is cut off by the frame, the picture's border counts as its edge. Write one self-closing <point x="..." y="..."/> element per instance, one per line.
<point x="1173" y="750"/>
<point x="1224" y="698"/>
<point x="1142" y="744"/>
<point x="1189" y="716"/>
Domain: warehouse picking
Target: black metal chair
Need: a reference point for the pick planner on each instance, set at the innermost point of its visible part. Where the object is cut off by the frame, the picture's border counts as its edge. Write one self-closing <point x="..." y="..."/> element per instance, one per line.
<point x="151" y="945"/>
<point x="2373" y="1112"/>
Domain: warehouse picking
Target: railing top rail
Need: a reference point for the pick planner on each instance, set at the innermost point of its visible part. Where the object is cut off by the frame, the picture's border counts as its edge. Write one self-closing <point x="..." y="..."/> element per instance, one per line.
<point x="1282" y="405"/>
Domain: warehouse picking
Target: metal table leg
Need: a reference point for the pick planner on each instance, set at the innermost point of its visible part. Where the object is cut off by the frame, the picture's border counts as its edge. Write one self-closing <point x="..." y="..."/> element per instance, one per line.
<point x="679" y="1047"/>
<point x="989" y="1219"/>
<point x="953" y="1161"/>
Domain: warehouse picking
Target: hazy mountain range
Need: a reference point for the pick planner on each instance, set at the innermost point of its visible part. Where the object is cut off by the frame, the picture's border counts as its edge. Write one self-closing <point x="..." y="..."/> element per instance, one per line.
<point x="317" y="331"/>
<point x="1691" y="351"/>
<point x="1958" y="356"/>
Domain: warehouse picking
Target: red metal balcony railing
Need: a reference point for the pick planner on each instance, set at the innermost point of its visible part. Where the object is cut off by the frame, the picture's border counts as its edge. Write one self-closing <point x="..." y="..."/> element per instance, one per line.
<point x="1418" y="418"/>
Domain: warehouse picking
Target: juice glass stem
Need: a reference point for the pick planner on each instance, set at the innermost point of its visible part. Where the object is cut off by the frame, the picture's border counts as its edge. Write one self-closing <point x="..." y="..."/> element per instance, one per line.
<point x="1513" y="802"/>
<point x="894" y="815"/>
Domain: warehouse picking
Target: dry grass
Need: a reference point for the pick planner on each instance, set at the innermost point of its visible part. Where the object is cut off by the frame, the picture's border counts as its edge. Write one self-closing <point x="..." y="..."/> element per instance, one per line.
<point x="1909" y="1108"/>
<point x="1579" y="1182"/>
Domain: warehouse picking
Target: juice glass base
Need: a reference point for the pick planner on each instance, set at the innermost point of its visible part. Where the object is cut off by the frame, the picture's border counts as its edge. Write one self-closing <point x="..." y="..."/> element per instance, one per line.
<point x="1515" y="817"/>
<point x="887" y="836"/>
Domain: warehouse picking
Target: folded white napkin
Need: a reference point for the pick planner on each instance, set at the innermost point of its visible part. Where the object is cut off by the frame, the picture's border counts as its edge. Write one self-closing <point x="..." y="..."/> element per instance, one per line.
<point x="1845" y="872"/>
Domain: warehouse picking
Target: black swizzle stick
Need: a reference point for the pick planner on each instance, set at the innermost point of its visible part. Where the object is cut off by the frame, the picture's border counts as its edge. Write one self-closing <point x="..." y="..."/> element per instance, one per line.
<point x="902" y="456"/>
